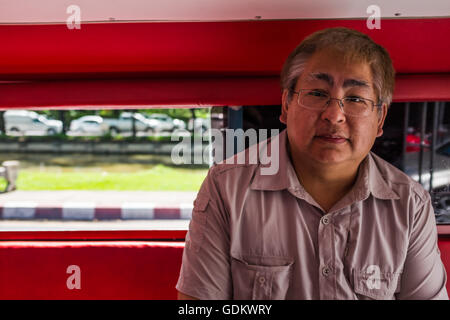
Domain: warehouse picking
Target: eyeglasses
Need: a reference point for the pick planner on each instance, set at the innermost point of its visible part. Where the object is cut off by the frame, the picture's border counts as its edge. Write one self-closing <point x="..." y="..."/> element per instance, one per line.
<point x="319" y="100"/>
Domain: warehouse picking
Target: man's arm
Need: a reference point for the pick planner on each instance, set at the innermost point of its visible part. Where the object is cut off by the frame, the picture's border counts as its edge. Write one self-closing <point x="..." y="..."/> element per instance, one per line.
<point x="424" y="275"/>
<point x="182" y="296"/>
<point x="205" y="271"/>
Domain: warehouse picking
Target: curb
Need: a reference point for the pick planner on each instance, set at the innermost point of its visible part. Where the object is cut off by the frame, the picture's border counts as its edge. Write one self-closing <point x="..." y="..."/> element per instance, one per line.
<point x="90" y="211"/>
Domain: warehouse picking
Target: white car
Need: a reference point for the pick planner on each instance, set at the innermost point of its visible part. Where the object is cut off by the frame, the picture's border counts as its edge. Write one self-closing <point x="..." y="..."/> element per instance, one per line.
<point x="22" y="122"/>
<point x="89" y="125"/>
<point x="166" y="123"/>
<point x="125" y="123"/>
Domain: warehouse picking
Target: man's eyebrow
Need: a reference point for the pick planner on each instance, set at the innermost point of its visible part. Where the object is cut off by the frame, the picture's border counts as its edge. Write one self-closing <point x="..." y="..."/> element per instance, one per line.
<point x="355" y="83"/>
<point x="321" y="76"/>
<point x="329" y="79"/>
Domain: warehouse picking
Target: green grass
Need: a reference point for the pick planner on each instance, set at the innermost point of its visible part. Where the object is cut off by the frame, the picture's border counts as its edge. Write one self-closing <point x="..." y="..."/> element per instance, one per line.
<point x="157" y="178"/>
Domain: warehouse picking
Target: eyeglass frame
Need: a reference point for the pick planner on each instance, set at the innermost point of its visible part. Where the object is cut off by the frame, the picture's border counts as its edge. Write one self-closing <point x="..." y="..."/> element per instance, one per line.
<point x="340" y="102"/>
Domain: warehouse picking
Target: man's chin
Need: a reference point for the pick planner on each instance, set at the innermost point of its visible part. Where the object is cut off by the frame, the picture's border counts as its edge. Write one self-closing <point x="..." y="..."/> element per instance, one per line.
<point x="330" y="157"/>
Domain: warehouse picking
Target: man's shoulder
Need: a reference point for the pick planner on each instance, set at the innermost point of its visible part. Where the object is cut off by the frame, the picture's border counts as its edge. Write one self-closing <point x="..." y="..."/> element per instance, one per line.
<point x="234" y="166"/>
<point x="246" y="160"/>
<point x="397" y="180"/>
<point x="220" y="169"/>
<point x="226" y="180"/>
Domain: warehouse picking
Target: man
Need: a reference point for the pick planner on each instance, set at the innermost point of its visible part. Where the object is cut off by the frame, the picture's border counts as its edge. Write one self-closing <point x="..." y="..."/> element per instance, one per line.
<point x="335" y="221"/>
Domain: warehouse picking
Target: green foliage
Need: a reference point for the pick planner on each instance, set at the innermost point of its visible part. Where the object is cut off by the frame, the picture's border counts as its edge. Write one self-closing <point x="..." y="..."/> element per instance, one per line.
<point x="67" y="116"/>
<point x="3" y="184"/>
<point x="181" y="113"/>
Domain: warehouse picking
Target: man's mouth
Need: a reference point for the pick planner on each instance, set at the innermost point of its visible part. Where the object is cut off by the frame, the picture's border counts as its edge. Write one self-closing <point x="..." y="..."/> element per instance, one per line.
<point x="332" y="138"/>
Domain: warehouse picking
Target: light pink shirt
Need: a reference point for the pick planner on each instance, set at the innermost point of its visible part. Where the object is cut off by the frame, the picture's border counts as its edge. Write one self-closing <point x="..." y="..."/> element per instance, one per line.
<point x="255" y="236"/>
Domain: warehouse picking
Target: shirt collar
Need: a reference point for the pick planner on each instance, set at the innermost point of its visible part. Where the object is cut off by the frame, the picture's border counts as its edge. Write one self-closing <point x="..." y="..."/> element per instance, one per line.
<point x="369" y="179"/>
<point x="285" y="177"/>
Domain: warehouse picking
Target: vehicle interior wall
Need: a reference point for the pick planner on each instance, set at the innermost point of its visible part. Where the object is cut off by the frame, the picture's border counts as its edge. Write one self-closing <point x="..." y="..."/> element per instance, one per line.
<point x="217" y="64"/>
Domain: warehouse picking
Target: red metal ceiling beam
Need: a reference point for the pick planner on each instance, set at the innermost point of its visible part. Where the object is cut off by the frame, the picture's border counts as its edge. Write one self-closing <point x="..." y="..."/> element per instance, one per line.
<point x="245" y="48"/>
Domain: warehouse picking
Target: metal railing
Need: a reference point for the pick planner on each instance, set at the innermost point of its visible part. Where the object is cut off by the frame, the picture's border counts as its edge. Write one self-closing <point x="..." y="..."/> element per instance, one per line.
<point x="426" y="175"/>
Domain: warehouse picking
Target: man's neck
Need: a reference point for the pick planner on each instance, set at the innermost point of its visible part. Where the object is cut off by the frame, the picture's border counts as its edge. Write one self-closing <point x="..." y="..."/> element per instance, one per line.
<point x="327" y="184"/>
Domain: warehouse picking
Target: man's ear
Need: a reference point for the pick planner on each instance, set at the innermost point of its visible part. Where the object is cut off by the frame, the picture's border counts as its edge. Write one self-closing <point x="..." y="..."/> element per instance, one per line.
<point x="381" y="117"/>
<point x="284" y="106"/>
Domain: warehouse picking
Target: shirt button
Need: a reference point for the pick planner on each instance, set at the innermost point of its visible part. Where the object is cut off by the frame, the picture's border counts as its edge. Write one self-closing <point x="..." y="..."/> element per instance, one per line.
<point x="326" y="219"/>
<point x="326" y="271"/>
<point x="262" y="280"/>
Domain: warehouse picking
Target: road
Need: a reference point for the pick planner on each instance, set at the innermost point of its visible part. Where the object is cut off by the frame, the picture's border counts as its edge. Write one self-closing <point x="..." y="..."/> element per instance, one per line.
<point x="30" y="225"/>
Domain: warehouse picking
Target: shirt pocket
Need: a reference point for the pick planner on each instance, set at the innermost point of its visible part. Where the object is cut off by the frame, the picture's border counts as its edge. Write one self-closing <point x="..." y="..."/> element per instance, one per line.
<point x="197" y="226"/>
<point x="267" y="280"/>
<point x="376" y="285"/>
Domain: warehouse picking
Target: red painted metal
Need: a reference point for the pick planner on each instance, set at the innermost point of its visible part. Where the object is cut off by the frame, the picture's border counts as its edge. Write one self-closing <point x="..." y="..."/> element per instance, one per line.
<point x="166" y="235"/>
<point x="239" y="48"/>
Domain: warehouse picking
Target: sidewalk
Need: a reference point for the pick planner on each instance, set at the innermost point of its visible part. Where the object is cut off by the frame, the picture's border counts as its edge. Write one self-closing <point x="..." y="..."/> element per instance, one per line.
<point x="96" y="205"/>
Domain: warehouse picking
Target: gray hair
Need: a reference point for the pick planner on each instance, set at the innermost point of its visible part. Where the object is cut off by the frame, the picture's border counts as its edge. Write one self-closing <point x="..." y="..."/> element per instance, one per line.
<point x="355" y="46"/>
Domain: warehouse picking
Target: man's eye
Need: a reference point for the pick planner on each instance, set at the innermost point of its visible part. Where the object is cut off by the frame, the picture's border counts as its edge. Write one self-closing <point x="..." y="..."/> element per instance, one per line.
<point x="317" y="94"/>
<point x="355" y="99"/>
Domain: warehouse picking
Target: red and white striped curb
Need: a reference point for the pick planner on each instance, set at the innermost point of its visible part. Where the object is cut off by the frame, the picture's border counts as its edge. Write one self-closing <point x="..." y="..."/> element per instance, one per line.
<point x="90" y="211"/>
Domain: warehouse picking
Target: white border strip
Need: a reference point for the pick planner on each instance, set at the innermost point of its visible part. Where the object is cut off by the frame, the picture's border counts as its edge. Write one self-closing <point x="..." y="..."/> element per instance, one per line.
<point x="186" y="210"/>
<point x="19" y="210"/>
<point x="78" y="210"/>
<point x="86" y="210"/>
<point x="138" y="210"/>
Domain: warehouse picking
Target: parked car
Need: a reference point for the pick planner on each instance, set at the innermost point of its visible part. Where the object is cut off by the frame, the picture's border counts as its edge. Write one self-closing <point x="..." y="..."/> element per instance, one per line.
<point x="166" y="123"/>
<point x="89" y="125"/>
<point x="125" y="124"/>
<point x="30" y="122"/>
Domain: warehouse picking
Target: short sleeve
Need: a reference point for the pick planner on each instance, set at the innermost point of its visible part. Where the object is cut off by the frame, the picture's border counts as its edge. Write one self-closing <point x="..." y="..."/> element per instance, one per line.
<point x="205" y="271"/>
<point x="424" y="276"/>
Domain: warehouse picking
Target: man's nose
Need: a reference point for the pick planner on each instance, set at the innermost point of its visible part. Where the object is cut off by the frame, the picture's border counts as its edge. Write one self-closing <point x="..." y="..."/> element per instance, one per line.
<point x="333" y="113"/>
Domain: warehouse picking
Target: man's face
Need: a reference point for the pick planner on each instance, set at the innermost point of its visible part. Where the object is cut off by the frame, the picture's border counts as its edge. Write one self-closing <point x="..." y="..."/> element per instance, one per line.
<point x="314" y="134"/>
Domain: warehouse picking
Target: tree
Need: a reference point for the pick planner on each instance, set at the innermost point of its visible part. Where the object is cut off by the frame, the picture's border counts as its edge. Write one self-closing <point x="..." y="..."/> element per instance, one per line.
<point x="133" y="123"/>
<point x="2" y="123"/>
<point x="62" y="118"/>
<point x="193" y="120"/>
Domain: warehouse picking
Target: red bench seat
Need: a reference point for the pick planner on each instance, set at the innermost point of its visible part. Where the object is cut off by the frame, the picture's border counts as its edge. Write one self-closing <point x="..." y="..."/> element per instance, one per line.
<point x="107" y="269"/>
